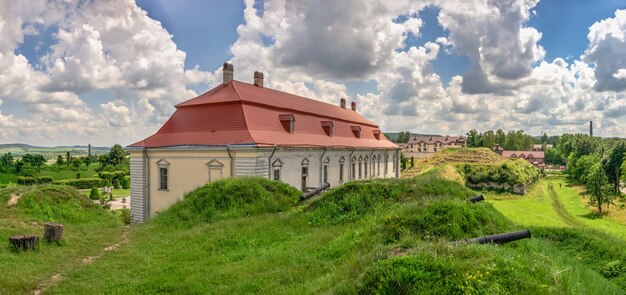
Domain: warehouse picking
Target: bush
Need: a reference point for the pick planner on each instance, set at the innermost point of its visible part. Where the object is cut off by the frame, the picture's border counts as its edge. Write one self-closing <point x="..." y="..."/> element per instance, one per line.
<point x="94" y="194"/>
<point x="83" y="183"/>
<point x="110" y="177"/>
<point x="124" y="215"/>
<point x="26" y="180"/>
<point x="231" y="197"/>
<point x="116" y="184"/>
<point x="126" y="183"/>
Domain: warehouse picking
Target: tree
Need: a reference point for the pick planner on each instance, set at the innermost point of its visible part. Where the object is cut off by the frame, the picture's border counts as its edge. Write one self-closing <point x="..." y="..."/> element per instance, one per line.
<point x="126" y="183"/>
<point x="34" y="160"/>
<point x="87" y="160"/>
<point x="612" y="163"/>
<point x="412" y="162"/>
<point x="500" y="137"/>
<point x="94" y="194"/>
<point x="488" y="139"/>
<point x="473" y="138"/>
<point x="403" y="137"/>
<point x="7" y="161"/>
<point x="544" y="138"/>
<point x="578" y="168"/>
<point x="68" y="158"/>
<point x="76" y="163"/>
<point x="598" y="187"/>
<point x="60" y="161"/>
<point x="116" y="184"/>
<point x="553" y="157"/>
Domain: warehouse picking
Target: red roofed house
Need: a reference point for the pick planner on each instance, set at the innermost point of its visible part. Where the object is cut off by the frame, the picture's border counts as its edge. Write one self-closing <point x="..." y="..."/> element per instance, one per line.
<point x="429" y="144"/>
<point x="241" y="129"/>
<point x="534" y="157"/>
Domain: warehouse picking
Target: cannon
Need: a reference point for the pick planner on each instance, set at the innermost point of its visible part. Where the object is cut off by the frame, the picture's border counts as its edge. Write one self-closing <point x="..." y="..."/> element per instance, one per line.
<point x="314" y="192"/>
<point x="498" y="238"/>
<point x="476" y="199"/>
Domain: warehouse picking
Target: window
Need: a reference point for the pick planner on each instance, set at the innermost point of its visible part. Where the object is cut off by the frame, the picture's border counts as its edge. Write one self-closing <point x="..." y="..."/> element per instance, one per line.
<point x="325" y="170"/>
<point x="276" y="167"/>
<point x="353" y="170"/>
<point x="360" y="167"/>
<point x="341" y="169"/>
<point x="386" y="164"/>
<point x="356" y="130"/>
<point x="376" y="134"/>
<point x="163" y="178"/>
<point x="365" y="166"/>
<point x="328" y="127"/>
<point x="378" y="165"/>
<point x="163" y="173"/>
<point x="288" y="121"/>
<point x="305" y="174"/>
<point x="276" y="174"/>
<point x="215" y="169"/>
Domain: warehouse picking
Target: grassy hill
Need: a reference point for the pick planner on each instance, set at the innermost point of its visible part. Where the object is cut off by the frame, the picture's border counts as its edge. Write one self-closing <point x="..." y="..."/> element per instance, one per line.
<point x="19" y="149"/>
<point x="250" y="235"/>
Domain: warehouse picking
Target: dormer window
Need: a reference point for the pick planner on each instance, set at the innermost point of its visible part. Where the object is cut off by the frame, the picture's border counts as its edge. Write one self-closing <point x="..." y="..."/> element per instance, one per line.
<point x="288" y="121"/>
<point x="356" y="130"/>
<point x="376" y="134"/>
<point x="328" y="127"/>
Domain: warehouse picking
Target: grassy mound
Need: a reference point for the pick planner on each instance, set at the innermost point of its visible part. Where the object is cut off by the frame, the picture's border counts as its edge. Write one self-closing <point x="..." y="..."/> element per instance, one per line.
<point x="56" y="203"/>
<point x="453" y="156"/>
<point x="451" y="219"/>
<point x="232" y="197"/>
<point x="354" y="200"/>
<point x="602" y="253"/>
<point x="510" y="172"/>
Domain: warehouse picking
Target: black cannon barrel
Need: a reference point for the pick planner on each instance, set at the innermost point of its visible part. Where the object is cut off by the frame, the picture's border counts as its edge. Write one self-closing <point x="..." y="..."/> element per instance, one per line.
<point x="314" y="192"/>
<point x="476" y="199"/>
<point x="500" y="238"/>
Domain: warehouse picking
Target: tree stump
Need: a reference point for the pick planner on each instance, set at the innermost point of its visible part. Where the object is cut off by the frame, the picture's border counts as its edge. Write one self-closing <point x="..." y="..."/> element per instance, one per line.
<point x="24" y="242"/>
<point x="53" y="232"/>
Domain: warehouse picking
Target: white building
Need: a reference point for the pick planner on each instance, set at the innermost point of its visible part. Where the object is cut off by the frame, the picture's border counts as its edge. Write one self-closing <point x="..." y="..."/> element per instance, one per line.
<point x="241" y="129"/>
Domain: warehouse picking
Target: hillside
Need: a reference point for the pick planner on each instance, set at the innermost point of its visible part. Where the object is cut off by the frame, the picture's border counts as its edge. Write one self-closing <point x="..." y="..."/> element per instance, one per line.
<point x="19" y="149"/>
<point x="377" y="236"/>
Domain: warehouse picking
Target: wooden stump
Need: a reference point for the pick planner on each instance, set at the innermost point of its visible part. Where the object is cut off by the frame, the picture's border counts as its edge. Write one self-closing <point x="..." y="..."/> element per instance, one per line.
<point x="53" y="232"/>
<point x="24" y="242"/>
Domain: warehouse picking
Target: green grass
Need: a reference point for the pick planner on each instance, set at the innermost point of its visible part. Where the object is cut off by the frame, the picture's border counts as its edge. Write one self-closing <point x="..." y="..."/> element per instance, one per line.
<point x="87" y="230"/>
<point x="249" y="236"/>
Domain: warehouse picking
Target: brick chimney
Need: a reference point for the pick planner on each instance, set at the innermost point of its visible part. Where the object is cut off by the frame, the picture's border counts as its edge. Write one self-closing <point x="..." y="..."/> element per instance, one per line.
<point x="353" y="104"/>
<point x="228" y="71"/>
<point x="258" y="79"/>
<point x="342" y="103"/>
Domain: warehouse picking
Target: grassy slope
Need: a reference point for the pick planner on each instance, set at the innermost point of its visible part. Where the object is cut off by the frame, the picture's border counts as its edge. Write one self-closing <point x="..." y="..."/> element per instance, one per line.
<point x="538" y="208"/>
<point x="341" y="242"/>
<point x="87" y="230"/>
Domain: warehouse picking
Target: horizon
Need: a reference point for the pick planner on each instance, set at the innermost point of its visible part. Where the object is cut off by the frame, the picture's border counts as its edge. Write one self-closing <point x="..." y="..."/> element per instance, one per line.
<point x="111" y="72"/>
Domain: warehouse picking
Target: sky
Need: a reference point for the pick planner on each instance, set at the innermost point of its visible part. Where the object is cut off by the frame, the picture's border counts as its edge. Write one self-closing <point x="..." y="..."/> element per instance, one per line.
<point x="111" y="71"/>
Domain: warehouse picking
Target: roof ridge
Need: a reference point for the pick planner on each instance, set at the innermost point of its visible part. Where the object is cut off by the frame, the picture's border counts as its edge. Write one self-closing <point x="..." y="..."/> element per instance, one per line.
<point x="243" y="110"/>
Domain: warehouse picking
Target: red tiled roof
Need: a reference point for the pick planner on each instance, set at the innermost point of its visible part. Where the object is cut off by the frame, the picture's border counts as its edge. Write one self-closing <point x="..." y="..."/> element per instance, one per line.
<point x="241" y="113"/>
<point x="435" y="138"/>
<point x="536" y="155"/>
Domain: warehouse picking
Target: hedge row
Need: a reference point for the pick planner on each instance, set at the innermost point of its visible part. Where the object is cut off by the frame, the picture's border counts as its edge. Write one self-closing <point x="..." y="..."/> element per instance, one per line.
<point x="82" y="183"/>
<point x="110" y="177"/>
<point x="27" y="180"/>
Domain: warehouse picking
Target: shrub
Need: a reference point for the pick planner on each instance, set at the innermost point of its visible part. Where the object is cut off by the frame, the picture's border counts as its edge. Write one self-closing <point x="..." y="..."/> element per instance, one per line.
<point x="116" y="184"/>
<point x="83" y="183"/>
<point x="26" y="180"/>
<point x="94" y="194"/>
<point x="124" y="215"/>
<point x="44" y="179"/>
<point x="231" y="197"/>
<point x="126" y="183"/>
<point x="78" y="175"/>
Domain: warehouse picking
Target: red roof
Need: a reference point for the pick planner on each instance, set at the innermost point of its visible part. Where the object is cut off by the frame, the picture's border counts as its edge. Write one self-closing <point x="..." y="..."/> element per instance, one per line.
<point x="241" y="113"/>
<point x="536" y="154"/>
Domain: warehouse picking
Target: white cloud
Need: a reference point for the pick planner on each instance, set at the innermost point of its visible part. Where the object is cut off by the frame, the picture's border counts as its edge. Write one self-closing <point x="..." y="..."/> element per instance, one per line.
<point x="607" y="48"/>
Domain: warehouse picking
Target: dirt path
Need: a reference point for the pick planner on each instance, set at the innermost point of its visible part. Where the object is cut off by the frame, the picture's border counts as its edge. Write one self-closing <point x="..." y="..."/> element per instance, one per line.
<point x="13" y="199"/>
<point x="561" y="211"/>
<point x="57" y="277"/>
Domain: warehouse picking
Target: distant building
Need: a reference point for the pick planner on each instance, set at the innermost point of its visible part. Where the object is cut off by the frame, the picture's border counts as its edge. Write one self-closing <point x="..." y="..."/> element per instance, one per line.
<point x="430" y="144"/>
<point x="241" y="129"/>
<point x="539" y="147"/>
<point x="534" y="157"/>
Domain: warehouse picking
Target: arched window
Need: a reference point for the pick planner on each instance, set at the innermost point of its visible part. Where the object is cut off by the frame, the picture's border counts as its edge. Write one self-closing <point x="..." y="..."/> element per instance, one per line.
<point x="305" y="174"/>
<point x="325" y="170"/>
<point x="341" y="162"/>
<point x="378" y="165"/>
<point x="360" y="167"/>
<point x="353" y="172"/>
<point x="386" y="165"/>
<point x="365" y="166"/>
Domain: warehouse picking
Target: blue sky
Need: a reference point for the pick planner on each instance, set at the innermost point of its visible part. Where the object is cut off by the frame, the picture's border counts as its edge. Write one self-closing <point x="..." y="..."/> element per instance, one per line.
<point x="424" y="66"/>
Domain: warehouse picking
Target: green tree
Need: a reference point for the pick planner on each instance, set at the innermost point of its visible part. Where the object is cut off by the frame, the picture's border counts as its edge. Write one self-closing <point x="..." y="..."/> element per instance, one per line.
<point x="612" y="163"/>
<point x="500" y="137"/>
<point x="473" y="138"/>
<point x="553" y="157"/>
<point x="60" y="162"/>
<point x="7" y="161"/>
<point x="578" y="168"/>
<point x="403" y="137"/>
<point x="76" y="163"/>
<point x="116" y="184"/>
<point x="544" y="138"/>
<point x="488" y="139"/>
<point x="412" y="162"/>
<point x="94" y="194"/>
<point x="34" y="160"/>
<point x="598" y="187"/>
<point x="68" y="159"/>
<point x="87" y="160"/>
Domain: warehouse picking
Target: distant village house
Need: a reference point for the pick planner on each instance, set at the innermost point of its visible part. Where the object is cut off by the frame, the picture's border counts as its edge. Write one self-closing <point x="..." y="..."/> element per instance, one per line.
<point x="241" y="129"/>
<point x="423" y="146"/>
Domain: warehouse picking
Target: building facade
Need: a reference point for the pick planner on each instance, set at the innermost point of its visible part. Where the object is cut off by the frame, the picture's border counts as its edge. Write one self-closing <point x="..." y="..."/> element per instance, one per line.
<point x="238" y="129"/>
<point x="534" y="157"/>
<point x="427" y="145"/>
